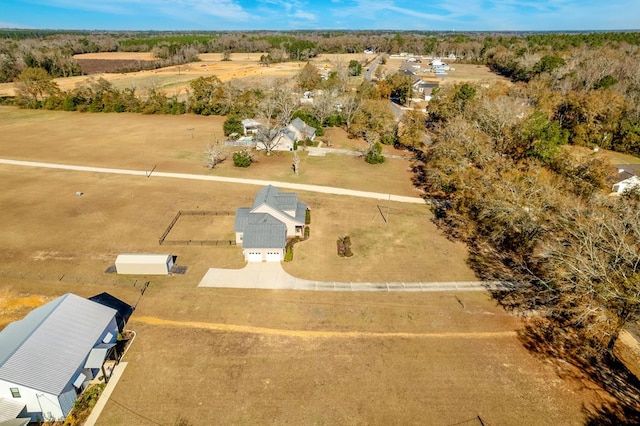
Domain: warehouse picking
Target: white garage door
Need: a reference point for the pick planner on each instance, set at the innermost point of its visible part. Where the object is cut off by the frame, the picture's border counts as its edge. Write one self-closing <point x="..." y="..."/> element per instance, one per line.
<point x="254" y="256"/>
<point x="274" y="256"/>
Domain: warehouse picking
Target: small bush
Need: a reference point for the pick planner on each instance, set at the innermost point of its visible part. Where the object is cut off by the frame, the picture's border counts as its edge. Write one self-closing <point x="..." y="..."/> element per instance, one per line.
<point x="344" y="246"/>
<point x="374" y="155"/>
<point x="288" y="253"/>
<point x="242" y="158"/>
<point x="307" y="217"/>
<point x="306" y="232"/>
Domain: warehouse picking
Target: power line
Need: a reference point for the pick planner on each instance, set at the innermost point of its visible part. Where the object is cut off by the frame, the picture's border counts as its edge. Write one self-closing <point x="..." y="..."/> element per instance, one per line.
<point x="134" y="412"/>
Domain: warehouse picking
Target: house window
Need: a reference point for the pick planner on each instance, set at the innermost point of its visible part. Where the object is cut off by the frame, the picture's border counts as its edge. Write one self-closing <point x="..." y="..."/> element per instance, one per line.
<point x="15" y="392"/>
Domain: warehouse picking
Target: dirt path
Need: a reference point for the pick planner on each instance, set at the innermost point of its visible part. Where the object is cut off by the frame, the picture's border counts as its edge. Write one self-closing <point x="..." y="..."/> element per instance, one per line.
<point x="306" y="334"/>
<point x="155" y="173"/>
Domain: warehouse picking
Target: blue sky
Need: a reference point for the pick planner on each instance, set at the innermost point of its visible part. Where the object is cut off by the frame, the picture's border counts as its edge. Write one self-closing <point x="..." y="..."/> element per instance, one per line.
<point x="456" y="15"/>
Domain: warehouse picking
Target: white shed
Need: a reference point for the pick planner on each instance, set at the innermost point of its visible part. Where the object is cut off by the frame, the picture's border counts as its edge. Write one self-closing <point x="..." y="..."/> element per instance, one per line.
<point x="144" y="264"/>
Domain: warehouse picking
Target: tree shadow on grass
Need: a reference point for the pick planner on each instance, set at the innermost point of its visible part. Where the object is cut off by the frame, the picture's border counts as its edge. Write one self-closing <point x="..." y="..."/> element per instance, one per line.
<point x="574" y="359"/>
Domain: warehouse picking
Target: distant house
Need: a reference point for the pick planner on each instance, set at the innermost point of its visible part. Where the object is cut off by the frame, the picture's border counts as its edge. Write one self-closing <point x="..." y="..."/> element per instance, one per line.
<point x="296" y="131"/>
<point x="48" y="358"/>
<point x="263" y="228"/>
<point x="250" y="126"/>
<point x="630" y="184"/>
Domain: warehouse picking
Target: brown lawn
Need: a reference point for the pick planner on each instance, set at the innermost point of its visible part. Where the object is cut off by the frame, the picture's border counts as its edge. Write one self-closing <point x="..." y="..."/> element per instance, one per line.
<point x="212" y="356"/>
<point x="225" y="356"/>
<point x="177" y="144"/>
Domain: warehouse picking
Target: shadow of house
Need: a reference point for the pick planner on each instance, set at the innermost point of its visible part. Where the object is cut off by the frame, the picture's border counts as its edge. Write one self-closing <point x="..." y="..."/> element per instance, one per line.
<point x="123" y="310"/>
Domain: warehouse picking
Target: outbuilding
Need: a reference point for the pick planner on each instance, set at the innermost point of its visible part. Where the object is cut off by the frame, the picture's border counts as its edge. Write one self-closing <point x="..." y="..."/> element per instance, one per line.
<point x="144" y="264"/>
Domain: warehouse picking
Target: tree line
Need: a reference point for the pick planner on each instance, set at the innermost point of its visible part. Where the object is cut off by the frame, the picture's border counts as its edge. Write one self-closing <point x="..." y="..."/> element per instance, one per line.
<point x="501" y="175"/>
<point x="54" y="50"/>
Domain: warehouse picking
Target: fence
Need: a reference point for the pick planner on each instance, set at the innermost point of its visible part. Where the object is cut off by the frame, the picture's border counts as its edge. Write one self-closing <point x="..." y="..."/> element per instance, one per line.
<point x="163" y="238"/>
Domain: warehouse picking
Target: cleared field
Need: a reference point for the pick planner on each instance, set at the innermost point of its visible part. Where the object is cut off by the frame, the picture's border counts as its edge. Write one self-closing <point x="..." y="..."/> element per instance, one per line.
<point x="226" y="356"/>
<point x="213" y="356"/>
<point x="177" y="144"/>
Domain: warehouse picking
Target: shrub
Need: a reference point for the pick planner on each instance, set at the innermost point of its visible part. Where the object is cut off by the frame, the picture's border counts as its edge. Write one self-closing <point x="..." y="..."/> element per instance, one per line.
<point x="242" y="158"/>
<point x="288" y="253"/>
<point x="307" y="217"/>
<point x="232" y="125"/>
<point x="306" y="232"/>
<point x="344" y="246"/>
<point x="374" y="155"/>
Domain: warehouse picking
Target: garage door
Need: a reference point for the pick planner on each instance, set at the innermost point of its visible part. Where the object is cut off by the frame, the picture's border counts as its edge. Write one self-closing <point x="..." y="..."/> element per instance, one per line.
<point x="274" y="256"/>
<point x="254" y="256"/>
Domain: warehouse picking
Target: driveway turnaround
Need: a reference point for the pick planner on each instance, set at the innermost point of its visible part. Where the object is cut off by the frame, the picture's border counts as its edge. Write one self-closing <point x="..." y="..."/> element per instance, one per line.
<point x="271" y="276"/>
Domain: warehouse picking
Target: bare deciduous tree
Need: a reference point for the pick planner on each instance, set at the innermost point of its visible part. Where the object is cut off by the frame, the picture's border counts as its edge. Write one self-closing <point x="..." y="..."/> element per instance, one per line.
<point x="216" y="153"/>
<point x="296" y="163"/>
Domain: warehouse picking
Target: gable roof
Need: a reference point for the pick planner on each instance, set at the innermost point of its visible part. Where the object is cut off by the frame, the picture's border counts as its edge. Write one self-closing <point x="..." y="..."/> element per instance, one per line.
<point x="264" y="231"/>
<point x="44" y="349"/>
<point x="304" y="130"/>
<point x="274" y="198"/>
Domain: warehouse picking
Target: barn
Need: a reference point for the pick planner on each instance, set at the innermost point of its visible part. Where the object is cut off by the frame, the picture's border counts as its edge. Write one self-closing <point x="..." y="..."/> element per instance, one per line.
<point x="144" y="264"/>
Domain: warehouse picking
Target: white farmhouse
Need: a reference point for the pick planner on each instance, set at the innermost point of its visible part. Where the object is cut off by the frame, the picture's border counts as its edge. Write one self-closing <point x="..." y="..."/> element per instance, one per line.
<point x="296" y="131"/>
<point x="48" y="357"/>
<point x="630" y="184"/>
<point x="263" y="229"/>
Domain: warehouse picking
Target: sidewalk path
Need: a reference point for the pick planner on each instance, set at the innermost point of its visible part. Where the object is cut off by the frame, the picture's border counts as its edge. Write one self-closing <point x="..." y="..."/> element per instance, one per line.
<point x="271" y="276"/>
<point x="106" y="393"/>
<point x="156" y="174"/>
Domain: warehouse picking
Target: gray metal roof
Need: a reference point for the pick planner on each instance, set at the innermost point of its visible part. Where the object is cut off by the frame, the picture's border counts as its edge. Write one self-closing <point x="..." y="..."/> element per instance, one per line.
<point x="275" y="198"/>
<point x="44" y="349"/>
<point x="242" y="216"/>
<point x="306" y="130"/>
<point x="9" y="409"/>
<point x="264" y="231"/>
<point x="301" y="212"/>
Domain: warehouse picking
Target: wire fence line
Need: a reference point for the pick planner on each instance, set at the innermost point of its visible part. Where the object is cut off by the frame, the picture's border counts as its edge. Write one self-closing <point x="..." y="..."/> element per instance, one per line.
<point x="61" y="277"/>
<point x="163" y="238"/>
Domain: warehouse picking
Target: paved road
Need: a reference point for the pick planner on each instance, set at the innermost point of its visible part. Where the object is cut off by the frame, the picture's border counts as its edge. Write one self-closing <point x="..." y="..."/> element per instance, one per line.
<point x="271" y="276"/>
<point x="158" y="174"/>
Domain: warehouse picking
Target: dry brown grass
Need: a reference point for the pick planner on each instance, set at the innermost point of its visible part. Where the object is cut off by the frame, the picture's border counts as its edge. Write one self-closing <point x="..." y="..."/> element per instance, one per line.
<point x="303" y="357"/>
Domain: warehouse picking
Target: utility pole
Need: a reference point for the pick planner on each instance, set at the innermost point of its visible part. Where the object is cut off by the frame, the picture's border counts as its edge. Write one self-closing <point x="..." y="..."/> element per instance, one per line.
<point x="142" y="290"/>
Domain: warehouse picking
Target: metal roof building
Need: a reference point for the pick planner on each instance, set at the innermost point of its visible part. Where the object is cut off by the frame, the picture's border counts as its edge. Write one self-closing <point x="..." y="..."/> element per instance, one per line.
<point x="43" y="356"/>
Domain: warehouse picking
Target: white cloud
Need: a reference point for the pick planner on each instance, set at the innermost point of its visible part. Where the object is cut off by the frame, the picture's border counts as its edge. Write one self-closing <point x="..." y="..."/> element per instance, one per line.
<point x="228" y="9"/>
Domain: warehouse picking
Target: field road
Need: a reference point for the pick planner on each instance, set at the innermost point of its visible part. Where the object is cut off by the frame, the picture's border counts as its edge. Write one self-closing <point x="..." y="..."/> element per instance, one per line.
<point x="156" y="174"/>
<point x="312" y="334"/>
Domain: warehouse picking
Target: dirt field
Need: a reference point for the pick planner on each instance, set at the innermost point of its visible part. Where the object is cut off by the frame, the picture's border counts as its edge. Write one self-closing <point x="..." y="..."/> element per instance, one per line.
<point x="213" y="356"/>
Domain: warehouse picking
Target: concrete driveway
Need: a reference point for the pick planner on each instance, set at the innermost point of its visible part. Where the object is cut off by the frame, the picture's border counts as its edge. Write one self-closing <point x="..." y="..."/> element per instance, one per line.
<point x="271" y="276"/>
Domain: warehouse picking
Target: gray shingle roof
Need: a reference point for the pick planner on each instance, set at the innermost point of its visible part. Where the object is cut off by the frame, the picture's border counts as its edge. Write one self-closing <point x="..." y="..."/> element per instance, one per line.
<point x="275" y="198"/>
<point x="264" y="231"/>
<point x="302" y="127"/>
<point x="242" y="216"/>
<point x="44" y="349"/>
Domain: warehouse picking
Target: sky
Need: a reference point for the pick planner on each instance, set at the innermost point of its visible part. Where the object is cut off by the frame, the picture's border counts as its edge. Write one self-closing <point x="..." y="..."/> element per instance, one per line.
<point x="425" y="15"/>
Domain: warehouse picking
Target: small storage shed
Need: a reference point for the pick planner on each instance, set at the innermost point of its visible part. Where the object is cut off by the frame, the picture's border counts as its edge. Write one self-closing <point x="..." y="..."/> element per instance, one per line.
<point x="144" y="264"/>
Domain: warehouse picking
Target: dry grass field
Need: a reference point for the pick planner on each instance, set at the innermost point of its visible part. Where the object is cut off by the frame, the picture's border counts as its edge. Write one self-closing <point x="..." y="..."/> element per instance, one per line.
<point x="226" y="356"/>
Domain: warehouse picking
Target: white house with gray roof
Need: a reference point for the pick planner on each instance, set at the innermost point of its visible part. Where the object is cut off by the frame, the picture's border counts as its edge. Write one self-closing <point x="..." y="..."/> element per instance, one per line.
<point x="263" y="228"/>
<point x="48" y="357"/>
<point x="296" y="131"/>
